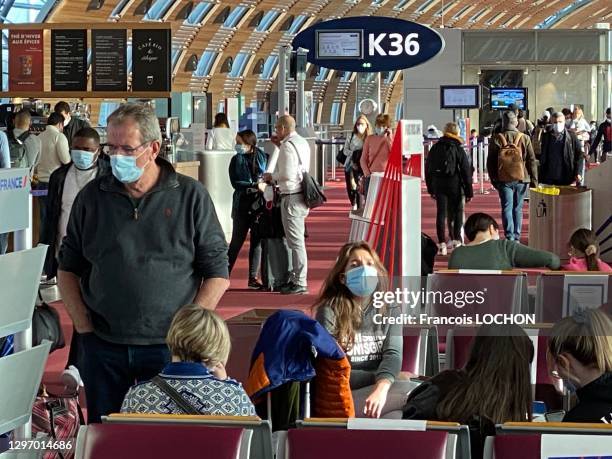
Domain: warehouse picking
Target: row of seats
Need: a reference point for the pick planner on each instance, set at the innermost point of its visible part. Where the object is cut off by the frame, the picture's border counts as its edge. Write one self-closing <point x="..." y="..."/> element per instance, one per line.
<point x="153" y="436"/>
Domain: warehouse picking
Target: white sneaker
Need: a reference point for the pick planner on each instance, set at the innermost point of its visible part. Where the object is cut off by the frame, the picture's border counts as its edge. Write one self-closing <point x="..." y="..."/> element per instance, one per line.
<point x="72" y="378"/>
<point x="455" y="244"/>
<point x="442" y="249"/>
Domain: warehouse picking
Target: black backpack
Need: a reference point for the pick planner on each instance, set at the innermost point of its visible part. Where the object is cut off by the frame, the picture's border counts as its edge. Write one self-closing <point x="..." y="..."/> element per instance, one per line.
<point x="17" y="148"/>
<point x="443" y="162"/>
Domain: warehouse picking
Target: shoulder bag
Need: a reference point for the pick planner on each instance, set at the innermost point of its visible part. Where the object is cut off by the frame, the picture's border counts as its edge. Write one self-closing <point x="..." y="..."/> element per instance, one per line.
<point x="175" y="396"/>
<point x="312" y="191"/>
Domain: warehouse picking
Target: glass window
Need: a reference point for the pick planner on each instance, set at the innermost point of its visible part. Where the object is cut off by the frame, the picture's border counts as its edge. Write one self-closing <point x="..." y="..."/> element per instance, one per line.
<point x="205" y="64"/>
<point x="424" y="6"/>
<point x="240" y="63"/>
<point x="199" y="13"/>
<point x="176" y="54"/>
<point x="297" y="24"/>
<point x="336" y="109"/>
<point x="106" y="108"/>
<point x="119" y="8"/>
<point x="269" y="67"/>
<point x="322" y="75"/>
<point x="268" y="19"/>
<point x="235" y="16"/>
<point x="159" y="9"/>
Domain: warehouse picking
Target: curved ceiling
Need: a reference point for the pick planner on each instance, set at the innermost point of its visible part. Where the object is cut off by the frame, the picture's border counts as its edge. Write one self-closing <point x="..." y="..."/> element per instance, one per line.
<point x="231" y="46"/>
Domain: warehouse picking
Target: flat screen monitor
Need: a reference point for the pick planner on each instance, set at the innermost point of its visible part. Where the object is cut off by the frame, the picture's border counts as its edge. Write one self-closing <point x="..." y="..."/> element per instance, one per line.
<point x="501" y="98"/>
<point x="339" y="44"/>
<point x="460" y="97"/>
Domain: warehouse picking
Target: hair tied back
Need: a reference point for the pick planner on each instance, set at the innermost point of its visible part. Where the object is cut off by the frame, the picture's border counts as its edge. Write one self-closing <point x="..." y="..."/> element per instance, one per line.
<point x="590" y="250"/>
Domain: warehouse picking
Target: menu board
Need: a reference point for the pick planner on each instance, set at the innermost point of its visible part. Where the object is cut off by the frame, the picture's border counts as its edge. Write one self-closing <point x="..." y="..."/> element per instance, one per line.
<point x="26" y="70"/>
<point x="109" y="60"/>
<point x="68" y="60"/>
<point x="151" y="60"/>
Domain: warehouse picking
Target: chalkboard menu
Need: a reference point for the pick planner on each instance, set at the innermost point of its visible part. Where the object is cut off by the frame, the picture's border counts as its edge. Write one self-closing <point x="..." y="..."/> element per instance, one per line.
<point x="68" y="60"/>
<point x="151" y="60"/>
<point x="109" y="60"/>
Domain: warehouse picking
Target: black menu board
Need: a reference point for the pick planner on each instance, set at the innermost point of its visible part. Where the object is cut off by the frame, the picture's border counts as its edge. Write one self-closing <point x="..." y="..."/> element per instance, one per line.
<point x="68" y="60"/>
<point x="109" y="60"/>
<point x="151" y="60"/>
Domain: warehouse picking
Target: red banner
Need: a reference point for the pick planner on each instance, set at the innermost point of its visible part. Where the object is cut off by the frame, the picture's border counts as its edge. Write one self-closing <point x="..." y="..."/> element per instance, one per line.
<point x="26" y="69"/>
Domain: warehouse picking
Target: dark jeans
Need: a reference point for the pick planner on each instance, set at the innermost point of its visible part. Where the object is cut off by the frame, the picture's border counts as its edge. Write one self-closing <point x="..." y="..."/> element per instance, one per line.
<point x="42" y="204"/>
<point x="109" y="370"/>
<point x="350" y="177"/>
<point x="449" y="209"/>
<point x="240" y="229"/>
<point x="512" y="196"/>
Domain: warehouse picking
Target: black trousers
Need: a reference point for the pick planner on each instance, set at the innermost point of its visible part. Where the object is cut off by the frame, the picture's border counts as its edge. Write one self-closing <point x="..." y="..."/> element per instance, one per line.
<point x="449" y="209"/>
<point x="351" y="180"/>
<point x="240" y="229"/>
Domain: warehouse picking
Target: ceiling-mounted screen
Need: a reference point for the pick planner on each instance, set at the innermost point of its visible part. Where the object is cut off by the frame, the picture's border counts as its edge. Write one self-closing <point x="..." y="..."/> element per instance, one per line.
<point x="460" y="97"/>
<point x="339" y="44"/>
<point x="502" y="98"/>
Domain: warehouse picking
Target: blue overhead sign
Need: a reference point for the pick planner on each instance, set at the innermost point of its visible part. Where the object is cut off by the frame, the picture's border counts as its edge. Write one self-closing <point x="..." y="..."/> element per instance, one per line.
<point x="369" y="44"/>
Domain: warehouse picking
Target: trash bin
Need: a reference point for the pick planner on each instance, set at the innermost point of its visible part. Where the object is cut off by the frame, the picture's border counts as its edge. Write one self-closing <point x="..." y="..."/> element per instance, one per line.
<point x="554" y="217"/>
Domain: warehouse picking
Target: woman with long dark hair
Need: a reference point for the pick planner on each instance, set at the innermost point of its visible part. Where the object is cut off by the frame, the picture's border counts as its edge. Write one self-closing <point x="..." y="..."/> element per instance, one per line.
<point x="346" y="308"/>
<point x="353" y="148"/>
<point x="584" y="253"/>
<point x="494" y="386"/>
<point x="220" y="137"/>
<point x="246" y="168"/>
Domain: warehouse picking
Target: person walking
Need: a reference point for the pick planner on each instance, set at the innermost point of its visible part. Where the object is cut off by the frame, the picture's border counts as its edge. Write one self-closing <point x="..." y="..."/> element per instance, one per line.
<point x="512" y="167"/>
<point x="448" y="179"/>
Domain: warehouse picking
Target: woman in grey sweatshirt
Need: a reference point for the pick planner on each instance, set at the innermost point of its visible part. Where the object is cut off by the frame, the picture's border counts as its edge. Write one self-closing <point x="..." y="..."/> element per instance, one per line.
<point x="364" y="329"/>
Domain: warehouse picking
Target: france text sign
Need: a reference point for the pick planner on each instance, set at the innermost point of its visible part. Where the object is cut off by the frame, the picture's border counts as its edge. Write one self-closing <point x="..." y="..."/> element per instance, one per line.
<point x="369" y="44"/>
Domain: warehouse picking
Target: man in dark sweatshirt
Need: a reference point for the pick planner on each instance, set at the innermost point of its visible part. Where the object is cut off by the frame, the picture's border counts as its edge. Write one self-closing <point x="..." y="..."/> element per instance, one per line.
<point x="140" y="244"/>
<point x="72" y="124"/>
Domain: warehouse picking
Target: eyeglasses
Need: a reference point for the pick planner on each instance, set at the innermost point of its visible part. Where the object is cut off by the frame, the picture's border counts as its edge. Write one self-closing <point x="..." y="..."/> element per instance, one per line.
<point x="124" y="149"/>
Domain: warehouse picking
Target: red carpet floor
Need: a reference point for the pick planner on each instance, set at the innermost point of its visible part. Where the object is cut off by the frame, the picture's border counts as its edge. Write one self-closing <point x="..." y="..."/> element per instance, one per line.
<point x="328" y="227"/>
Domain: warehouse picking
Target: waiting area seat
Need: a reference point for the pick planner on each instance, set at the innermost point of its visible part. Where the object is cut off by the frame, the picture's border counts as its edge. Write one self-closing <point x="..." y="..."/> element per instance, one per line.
<point x="111" y="441"/>
<point x="333" y="444"/>
<point x="534" y="440"/>
<point x="260" y="431"/>
<point x="557" y="292"/>
<point x="457" y="443"/>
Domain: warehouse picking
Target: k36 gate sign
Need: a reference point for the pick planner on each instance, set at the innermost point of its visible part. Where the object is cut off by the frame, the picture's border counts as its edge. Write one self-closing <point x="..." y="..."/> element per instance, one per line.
<point x="369" y="44"/>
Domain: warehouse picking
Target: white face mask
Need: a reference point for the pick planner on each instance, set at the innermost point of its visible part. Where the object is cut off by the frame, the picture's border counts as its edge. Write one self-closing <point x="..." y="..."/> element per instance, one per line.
<point x="67" y="119"/>
<point x="560" y="126"/>
<point x="379" y="130"/>
<point x="361" y="128"/>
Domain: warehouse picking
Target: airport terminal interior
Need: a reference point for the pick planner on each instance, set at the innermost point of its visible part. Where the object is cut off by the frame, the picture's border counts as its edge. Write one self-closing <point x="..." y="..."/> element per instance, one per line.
<point x="271" y="229"/>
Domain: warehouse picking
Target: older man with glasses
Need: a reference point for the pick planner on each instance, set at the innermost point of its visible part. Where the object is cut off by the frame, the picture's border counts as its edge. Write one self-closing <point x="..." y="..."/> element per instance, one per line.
<point x="140" y="244"/>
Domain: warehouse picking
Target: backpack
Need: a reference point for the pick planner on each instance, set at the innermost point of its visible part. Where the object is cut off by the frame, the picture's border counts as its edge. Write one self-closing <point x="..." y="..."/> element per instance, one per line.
<point x="510" y="161"/>
<point x="444" y="161"/>
<point x="17" y="149"/>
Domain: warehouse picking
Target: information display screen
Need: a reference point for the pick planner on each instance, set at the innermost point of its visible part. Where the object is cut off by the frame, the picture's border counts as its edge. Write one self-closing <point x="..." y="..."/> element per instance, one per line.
<point x="339" y="44"/>
<point x="460" y="97"/>
<point x="501" y="98"/>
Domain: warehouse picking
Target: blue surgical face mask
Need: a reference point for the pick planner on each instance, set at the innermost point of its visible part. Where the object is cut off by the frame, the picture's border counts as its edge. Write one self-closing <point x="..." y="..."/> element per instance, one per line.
<point x="241" y="149"/>
<point x="362" y="280"/>
<point x="82" y="159"/>
<point x="125" y="168"/>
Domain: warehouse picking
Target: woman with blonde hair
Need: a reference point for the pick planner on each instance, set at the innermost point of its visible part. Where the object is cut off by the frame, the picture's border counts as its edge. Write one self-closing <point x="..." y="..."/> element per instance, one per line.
<point x="580" y="356"/>
<point x="350" y="310"/>
<point x="449" y="182"/>
<point x="199" y="342"/>
<point x="376" y="149"/>
<point x="353" y="148"/>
